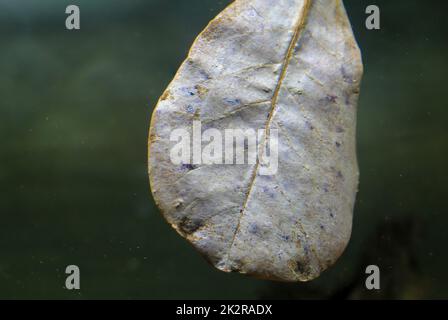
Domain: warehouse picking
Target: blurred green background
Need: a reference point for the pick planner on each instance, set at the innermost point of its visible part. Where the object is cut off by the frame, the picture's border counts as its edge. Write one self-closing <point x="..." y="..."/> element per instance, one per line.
<point x="74" y="115"/>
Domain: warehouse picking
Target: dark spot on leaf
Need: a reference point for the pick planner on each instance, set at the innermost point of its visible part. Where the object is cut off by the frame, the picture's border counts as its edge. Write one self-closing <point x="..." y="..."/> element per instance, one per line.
<point x="232" y="102"/>
<point x="188" y="167"/>
<point x="300" y="267"/>
<point x="188" y="91"/>
<point x="235" y="269"/>
<point x="267" y="90"/>
<point x="309" y="125"/>
<point x="306" y="249"/>
<point x="331" y="98"/>
<point x="339" y="129"/>
<point x="267" y="191"/>
<point x="347" y="98"/>
<point x="204" y="74"/>
<point x="189" y="226"/>
<point x="253" y="228"/>
<point x="178" y="204"/>
<point x="347" y="77"/>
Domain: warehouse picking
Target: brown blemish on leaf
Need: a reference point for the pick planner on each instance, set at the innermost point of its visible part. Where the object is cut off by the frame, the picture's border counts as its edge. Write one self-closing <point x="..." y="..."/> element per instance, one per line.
<point x="153" y="138"/>
<point x="166" y="95"/>
<point x="202" y="91"/>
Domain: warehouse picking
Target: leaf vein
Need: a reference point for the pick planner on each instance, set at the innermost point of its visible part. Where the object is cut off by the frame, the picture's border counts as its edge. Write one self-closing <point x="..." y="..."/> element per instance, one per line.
<point x="297" y="33"/>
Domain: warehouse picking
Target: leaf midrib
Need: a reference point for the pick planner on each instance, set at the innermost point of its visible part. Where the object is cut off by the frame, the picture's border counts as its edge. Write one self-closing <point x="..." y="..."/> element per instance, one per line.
<point x="274" y="101"/>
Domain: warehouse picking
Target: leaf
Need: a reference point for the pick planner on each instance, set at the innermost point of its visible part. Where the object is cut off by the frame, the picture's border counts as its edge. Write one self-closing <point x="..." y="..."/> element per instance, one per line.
<point x="289" y="65"/>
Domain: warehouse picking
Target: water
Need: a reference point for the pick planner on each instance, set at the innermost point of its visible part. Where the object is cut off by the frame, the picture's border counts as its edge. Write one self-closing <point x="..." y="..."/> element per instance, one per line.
<point x="75" y="108"/>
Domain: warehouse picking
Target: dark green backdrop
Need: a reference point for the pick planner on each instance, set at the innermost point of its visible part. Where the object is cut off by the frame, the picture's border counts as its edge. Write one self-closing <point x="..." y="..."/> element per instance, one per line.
<point x="74" y="116"/>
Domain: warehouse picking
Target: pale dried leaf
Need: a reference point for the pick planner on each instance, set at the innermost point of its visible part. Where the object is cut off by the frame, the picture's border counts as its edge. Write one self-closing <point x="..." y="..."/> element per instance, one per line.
<point x="292" y="65"/>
